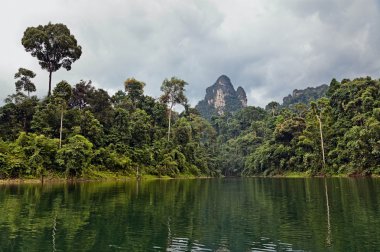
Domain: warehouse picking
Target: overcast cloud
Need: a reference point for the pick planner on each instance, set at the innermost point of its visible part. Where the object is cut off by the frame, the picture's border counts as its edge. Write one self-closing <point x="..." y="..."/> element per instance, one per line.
<point x="267" y="47"/>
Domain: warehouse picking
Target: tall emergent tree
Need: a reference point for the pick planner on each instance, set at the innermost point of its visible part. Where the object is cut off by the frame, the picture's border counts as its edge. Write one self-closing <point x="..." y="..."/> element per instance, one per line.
<point x="53" y="45"/>
<point x="24" y="81"/>
<point x="173" y="93"/>
<point x="318" y="114"/>
<point x="62" y="93"/>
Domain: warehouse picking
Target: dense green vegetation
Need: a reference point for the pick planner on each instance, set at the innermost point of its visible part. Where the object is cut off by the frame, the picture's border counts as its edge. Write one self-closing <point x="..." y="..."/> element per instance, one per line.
<point x="337" y="134"/>
<point x="80" y="130"/>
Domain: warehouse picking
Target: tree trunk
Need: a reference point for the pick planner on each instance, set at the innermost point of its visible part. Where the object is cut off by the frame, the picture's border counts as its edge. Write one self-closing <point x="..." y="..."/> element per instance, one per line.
<point x="322" y="146"/>
<point x="60" y="130"/>
<point x="49" y="93"/>
<point x="170" y="118"/>
<point x="25" y="123"/>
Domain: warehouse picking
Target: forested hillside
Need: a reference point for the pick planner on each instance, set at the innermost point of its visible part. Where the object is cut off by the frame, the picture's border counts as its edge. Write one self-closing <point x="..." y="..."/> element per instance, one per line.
<point x="337" y="134"/>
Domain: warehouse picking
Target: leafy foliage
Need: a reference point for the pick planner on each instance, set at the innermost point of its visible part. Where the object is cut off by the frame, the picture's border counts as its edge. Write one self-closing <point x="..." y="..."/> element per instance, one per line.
<point x="349" y="122"/>
<point x="128" y="134"/>
<point x="53" y="45"/>
<point x="24" y="81"/>
<point x="125" y="133"/>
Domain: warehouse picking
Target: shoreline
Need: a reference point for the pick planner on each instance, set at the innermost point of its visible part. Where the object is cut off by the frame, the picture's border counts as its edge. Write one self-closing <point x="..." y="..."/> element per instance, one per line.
<point x="58" y="180"/>
<point x="115" y="178"/>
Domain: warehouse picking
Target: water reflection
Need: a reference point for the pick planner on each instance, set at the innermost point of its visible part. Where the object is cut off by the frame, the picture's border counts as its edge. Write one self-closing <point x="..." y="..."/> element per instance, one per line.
<point x="265" y="244"/>
<point x="193" y="215"/>
<point x="328" y="237"/>
<point x="185" y="244"/>
<point x="54" y="231"/>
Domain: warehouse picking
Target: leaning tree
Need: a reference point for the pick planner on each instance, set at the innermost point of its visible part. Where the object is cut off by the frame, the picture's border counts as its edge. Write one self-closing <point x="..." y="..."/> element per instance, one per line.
<point x="53" y="45"/>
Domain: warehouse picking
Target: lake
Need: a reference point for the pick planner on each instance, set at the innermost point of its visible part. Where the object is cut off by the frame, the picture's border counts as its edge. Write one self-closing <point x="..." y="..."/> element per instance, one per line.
<point x="249" y="214"/>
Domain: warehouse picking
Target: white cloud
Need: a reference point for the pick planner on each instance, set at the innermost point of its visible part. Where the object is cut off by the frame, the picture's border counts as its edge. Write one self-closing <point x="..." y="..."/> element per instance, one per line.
<point x="268" y="47"/>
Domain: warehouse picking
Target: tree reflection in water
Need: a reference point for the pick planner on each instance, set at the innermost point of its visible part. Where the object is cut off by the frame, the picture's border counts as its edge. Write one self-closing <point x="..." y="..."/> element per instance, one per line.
<point x="202" y="214"/>
<point x="328" y="237"/>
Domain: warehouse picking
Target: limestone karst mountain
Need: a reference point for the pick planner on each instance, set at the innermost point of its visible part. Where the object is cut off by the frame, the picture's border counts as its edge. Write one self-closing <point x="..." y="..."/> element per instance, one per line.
<point x="222" y="98"/>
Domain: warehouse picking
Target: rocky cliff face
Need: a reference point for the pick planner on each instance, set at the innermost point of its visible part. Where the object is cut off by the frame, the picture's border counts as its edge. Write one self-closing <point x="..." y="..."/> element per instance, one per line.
<point x="242" y="96"/>
<point x="305" y="95"/>
<point x="222" y="98"/>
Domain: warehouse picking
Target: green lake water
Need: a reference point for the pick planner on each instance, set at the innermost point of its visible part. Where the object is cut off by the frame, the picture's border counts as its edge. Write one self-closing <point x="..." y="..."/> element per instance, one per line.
<point x="252" y="214"/>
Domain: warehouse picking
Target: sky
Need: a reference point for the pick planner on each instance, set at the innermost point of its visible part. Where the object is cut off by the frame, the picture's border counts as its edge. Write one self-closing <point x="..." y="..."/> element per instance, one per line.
<point x="267" y="47"/>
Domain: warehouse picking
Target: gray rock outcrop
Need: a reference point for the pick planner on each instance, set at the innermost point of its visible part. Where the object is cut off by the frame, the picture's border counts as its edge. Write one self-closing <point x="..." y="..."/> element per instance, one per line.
<point x="222" y="98"/>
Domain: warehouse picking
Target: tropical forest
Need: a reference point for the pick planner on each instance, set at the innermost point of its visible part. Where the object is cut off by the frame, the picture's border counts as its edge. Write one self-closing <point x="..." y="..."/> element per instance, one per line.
<point x="80" y="131"/>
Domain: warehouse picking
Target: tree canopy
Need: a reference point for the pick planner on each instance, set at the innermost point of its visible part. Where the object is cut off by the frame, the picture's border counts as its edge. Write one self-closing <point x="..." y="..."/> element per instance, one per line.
<point x="24" y="81"/>
<point x="53" y="45"/>
<point x="339" y="133"/>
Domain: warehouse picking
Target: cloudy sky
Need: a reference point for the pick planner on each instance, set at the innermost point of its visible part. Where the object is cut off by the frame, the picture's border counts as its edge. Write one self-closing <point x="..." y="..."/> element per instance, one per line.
<point x="268" y="47"/>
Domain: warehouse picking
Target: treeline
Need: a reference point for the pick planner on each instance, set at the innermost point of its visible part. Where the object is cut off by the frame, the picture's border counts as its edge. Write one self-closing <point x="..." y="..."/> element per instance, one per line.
<point x="336" y="134"/>
<point x="83" y="131"/>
